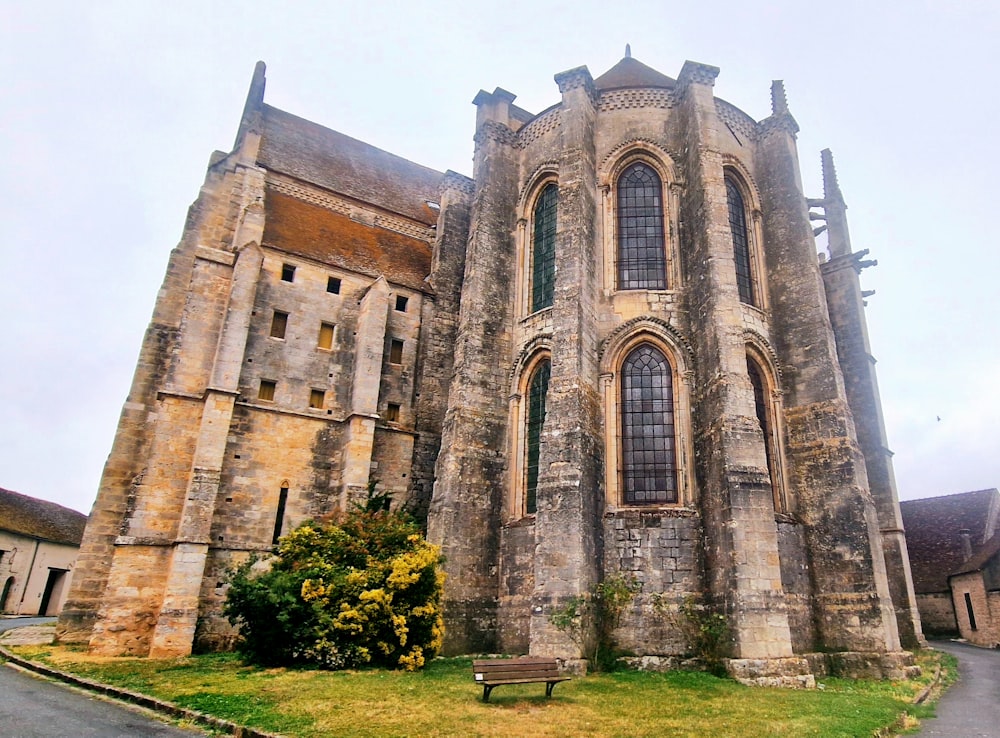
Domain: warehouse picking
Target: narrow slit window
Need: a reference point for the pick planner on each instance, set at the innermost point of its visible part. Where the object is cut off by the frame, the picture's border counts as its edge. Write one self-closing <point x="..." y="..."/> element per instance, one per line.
<point x="279" y="324"/>
<point x="392" y="413"/>
<point x="266" y="391"/>
<point x="325" y="340"/>
<point x="333" y="285"/>
<point x="401" y="302"/>
<point x="317" y="399"/>
<point x="762" y="408"/>
<point x="287" y="272"/>
<point x="969" y="610"/>
<point x="279" y="515"/>
<point x="642" y="261"/>
<point x="543" y="249"/>
<point x="395" y="351"/>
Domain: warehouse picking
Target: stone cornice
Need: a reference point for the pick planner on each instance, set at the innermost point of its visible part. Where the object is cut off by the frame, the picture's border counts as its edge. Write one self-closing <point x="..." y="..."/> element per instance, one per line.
<point x="458" y="182"/>
<point x="736" y="119"/>
<point x="576" y="78"/>
<point x="344" y="206"/>
<point x="491" y="130"/>
<point x="783" y="122"/>
<point x="694" y="73"/>
<point x="538" y="127"/>
<point x="647" y="97"/>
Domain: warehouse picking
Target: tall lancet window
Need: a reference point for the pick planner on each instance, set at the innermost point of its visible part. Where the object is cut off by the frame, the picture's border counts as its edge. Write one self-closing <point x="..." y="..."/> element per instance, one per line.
<point x="741" y="242"/>
<point x="537" y="390"/>
<point x="649" y="467"/>
<point x="543" y="248"/>
<point x="762" y="406"/>
<point x="642" y="261"/>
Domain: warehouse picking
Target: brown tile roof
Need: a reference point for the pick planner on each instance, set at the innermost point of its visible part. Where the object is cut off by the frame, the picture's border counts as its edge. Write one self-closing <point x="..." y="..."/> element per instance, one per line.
<point x="979" y="560"/>
<point x="932" y="533"/>
<point x="339" y="163"/>
<point x="36" y="518"/>
<point x="631" y="72"/>
<point x="314" y="232"/>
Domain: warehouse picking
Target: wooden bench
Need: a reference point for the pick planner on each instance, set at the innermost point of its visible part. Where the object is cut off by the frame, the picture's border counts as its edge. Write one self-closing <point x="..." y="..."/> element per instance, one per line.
<point x="525" y="670"/>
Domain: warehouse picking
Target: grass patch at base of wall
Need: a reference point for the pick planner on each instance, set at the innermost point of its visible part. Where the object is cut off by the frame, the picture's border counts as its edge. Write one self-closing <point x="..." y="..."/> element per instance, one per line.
<point x="443" y="700"/>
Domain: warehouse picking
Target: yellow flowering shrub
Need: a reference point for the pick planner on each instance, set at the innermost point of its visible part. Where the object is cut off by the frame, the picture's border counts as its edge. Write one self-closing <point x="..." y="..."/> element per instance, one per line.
<point x="362" y="590"/>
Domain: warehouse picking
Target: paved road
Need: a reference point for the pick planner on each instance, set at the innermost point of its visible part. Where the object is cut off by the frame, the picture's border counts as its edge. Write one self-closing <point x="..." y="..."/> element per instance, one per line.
<point x="31" y="707"/>
<point x="971" y="708"/>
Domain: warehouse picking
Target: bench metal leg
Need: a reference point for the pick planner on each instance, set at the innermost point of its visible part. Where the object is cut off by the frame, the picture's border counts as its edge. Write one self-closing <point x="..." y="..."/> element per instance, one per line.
<point x="486" y="692"/>
<point x="548" y="688"/>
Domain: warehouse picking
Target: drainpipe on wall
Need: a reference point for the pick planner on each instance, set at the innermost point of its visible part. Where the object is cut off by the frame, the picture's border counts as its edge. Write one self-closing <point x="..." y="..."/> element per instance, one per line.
<point x="27" y="577"/>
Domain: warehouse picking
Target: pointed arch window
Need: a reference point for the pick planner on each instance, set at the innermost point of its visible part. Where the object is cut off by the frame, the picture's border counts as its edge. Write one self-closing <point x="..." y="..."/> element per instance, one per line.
<point x="543" y="248"/>
<point x="535" y="419"/>
<point x="642" y="261"/>
<point x="741" y="242"/>
<point x="648" y="442"/>
<point x="765" y="415"/>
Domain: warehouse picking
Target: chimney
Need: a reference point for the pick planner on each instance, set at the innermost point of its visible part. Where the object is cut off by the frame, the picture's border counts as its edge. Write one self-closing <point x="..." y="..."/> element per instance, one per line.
<point x="966" y="535"/>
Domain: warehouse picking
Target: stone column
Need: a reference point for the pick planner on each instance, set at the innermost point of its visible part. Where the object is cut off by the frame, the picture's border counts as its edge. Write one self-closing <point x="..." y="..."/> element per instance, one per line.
<point x="741" y="543"/>
<point x="845" y="300"/>
<point x="464" y="511"/>
<point x="853" y="610"/>
<point x="369" y="355"/>
<point x="570" y="490"/>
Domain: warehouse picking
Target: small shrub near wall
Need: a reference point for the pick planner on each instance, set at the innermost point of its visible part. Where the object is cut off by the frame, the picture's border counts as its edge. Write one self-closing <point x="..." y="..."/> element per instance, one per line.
<point x="365" y="589"/>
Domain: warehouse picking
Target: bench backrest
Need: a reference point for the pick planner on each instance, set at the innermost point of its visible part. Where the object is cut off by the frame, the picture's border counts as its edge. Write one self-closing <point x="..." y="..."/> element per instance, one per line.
<point x="529" y="667"/>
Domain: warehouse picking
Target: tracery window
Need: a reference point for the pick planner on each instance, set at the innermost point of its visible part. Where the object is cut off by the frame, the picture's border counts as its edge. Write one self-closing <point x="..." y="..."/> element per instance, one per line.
<point x="648" y="439"/>
<point x="535" y="419"/>
<point x="543" y="248"/>
<point x="741" y="241"/>
<point x="642" y="262"/>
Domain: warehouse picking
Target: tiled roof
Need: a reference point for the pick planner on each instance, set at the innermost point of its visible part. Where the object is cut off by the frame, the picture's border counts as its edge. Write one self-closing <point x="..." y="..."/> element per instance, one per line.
<point x="978" y="561"/>
<point x="339" y="163"/>
<point x="36" y="518"/>
<point x="631" y="72"/>
<point x="314" y="232"/>
<point x="932" y="533"/>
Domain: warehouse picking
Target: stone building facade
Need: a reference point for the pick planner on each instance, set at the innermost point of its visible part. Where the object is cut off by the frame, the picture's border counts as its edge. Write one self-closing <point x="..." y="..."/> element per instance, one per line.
<point x="611" y="352"/>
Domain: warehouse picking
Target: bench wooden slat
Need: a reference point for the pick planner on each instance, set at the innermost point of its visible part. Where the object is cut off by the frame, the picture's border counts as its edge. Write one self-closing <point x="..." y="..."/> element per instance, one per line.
<point x="526" y="670"/>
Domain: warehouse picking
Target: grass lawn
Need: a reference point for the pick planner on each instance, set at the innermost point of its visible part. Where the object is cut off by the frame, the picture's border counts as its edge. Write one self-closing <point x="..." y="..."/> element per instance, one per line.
<point x="443" y="700"/>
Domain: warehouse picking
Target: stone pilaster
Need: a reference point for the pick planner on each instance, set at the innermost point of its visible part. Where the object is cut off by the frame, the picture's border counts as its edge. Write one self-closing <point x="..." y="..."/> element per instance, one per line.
<point x="841" y="280"/>
<point x="741" y="544"/>
<point x="853" y="609"/>
<point x="570" y="495"/>
<point x="464" y="511"/>
<point x="370" y="351"/>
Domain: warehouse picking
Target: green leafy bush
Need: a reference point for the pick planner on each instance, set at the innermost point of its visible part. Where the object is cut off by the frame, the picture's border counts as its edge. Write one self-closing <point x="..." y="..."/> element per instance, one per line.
<point x="365" y="589"/>
<point x="591" y="619"/>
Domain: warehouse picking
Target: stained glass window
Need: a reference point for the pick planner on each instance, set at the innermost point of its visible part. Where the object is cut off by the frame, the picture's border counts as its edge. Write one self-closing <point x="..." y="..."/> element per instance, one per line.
<point x="641" y="257"/>
<point x="537" y="390"/>
<point x="741" y="243"/>
<point x="543" y="249"/>
<point x="649" y="470"/>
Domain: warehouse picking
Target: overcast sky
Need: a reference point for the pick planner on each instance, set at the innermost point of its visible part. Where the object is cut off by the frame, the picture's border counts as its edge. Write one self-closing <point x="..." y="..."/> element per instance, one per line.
<point x="109" y="112"/>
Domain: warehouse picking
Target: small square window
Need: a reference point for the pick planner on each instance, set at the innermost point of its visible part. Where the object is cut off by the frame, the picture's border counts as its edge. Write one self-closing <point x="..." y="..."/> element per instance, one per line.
<point x="392" y="413"/>
<point x="287" y="273"/>
<point x="266" y="391"/>
<point x="401" y="303"/>
<point x="396" y="351"/>
<point x="279" y="323"/>
<point x="316" y="399"/>
<point x="333" y="285"/>
<point x="325" y="340"/>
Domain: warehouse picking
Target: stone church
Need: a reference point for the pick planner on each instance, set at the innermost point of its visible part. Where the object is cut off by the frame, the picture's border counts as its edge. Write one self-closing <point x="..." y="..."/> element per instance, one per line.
<point x="613" y="351"/>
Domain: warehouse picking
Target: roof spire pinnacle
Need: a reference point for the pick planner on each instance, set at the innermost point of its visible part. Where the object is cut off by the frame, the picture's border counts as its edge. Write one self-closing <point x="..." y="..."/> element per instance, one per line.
<point x="831" y="187"/>
<point x="628" y="51"/>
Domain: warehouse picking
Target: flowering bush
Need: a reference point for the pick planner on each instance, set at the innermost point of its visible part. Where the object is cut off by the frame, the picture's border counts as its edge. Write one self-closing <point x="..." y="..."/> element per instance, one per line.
<point x="362" y="590"/>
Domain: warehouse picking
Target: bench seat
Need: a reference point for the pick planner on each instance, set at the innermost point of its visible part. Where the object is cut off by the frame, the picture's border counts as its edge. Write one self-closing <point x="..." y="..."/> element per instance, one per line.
<point x="524" y="670"/>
